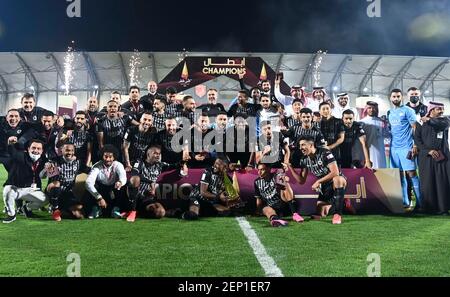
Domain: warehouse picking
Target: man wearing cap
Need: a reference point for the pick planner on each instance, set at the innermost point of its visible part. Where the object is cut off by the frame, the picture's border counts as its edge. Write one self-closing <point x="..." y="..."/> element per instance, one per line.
<point x="434" y="156"/>
<point x="376" y="131"/>
<point x="343" y="105"/>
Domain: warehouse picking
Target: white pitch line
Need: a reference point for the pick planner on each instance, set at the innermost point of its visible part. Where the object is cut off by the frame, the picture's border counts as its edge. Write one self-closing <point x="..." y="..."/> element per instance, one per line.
<point x="266" y="261"/>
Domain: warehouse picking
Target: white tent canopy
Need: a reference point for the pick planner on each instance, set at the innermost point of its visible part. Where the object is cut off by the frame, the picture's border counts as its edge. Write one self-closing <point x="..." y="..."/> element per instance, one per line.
<point x="43" y="74"/>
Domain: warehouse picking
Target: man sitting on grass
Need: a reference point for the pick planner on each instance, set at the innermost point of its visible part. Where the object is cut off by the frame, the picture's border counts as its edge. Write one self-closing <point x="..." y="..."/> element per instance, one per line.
<point x="210" y="195"/>
<point x="142" y="185"/>
<point x="330" y="183"/>
<point x="274" y="196"/>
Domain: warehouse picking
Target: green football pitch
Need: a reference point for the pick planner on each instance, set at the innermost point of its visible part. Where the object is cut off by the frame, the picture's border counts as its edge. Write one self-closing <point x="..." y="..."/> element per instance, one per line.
<point x="406" y="246"/>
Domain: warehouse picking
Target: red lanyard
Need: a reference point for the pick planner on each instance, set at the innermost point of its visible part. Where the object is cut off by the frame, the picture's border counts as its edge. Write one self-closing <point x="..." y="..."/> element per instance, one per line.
<point x="34" y="168"/>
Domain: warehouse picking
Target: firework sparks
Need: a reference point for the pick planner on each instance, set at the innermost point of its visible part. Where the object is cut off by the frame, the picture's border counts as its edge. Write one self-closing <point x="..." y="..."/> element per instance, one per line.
<point x="316" y="69"/>
<point x="135" y="61"/>
<point x="69" y="58"/>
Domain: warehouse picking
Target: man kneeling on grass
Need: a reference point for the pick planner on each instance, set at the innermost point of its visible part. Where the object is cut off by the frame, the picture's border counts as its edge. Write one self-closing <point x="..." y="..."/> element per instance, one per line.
<point x="104" y="183"/>
<point x="330" y="183"/>
<point x="24" y="179"/>
<point x="142" y="185"/>
<point x="210" y="195"/>
<point x="62" y="173"/>
<point x="274" y="196"/>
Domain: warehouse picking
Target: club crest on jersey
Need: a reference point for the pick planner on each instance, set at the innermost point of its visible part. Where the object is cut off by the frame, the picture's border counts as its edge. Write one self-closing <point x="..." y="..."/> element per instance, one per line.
<point x="19" y="131"/>
<point x="320" y="163"/>
<point x="34" y="118"/>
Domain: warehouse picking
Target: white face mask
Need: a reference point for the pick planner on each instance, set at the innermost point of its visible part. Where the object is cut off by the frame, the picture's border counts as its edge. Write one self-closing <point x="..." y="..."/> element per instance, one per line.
<point x="34" y="157"/>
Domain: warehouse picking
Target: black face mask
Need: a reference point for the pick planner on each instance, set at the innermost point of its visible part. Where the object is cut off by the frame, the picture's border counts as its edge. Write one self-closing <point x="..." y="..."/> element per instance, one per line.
<point x="414" y="99"/>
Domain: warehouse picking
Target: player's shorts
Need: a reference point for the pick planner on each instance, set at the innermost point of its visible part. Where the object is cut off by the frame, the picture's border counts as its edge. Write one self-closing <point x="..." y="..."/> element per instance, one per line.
<point x="327" y="191"/>
<point x="398" y="159"/>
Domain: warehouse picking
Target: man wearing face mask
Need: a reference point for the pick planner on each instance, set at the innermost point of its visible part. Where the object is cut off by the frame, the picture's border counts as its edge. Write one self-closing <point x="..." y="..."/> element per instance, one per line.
<point x="24" y="179"/>
<point x="414" y="103"/>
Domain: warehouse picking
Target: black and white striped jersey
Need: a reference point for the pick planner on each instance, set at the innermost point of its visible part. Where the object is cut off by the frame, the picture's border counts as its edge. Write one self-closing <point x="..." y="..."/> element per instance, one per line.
<point x="297" y="131"/>
<point x="149" y="173"/>
<point x="290" y="121"/>
<point x="67" y="172"/>
<point x="277" y="144"/>
<point x="139" y="142"/>
<point x="265" y="189"/>
<point x="318" y="163"/>
<point x="331" y="129"/>
<point x="249" y="109"/>
<point x="159" y="120"/>
<point x="80" y="138"/>
<point x="174" y="109"/>
<point x="170" y="152"/>
<point x="114" y="130"/>
<point x="214" y="181"/>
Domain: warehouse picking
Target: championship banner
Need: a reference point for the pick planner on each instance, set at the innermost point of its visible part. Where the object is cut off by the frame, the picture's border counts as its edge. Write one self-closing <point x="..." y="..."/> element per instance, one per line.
<point x="370" y="191"/>
<point x="193" y="71"/>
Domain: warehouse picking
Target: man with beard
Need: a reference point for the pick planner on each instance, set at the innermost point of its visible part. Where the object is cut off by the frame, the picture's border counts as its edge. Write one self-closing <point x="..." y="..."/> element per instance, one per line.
<point x="47" y="132"/>
<point x="92" y="114"/>
<point x="274" y="199"/>
<point x="243" y="142"/>
<point x="243" y="106"/>
<point x="147" y="100"/>
<point x="12" y="128"/>
<point x="30" y="113"/>
<point x="24" y="180"/>
<point x="111" y="129"/>
<point x="297" y="93"/>
<point x="414" y="102"/>
<point x="318" y="97"/>
<point x="353" y="131"/>
<point x="134" y="104"/>
<point x="332" y="129"/>
<point x="79" y="137"/>
<point x="306" y="128"/>
<point x="434" y="160"/>
<point x="200" y="150"/>
<point x="212" y="108"/>
<point x="219" y="136"/>
<point x="159" y="113"/>
<point x="173" y="154"/>
<point x="210" y="196"/>
<point x="376" y="131"/>
<point x="330" y="183"/>
<point x="402" y="120"/>
<point x="62" y="173"/>
<point x="104" y="183"/>
<point x="343" y="105"/>
<point x="273" y="147"/>
<point x="142" y="186"/>
<point x="186" y="117"/>
<point x="173" y="107"/>
<point x="269" y="112"/>
<point x="137" y="139"/>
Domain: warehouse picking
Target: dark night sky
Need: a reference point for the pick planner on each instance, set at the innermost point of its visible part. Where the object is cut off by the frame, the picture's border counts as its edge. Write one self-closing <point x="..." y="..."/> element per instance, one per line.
<point x="406" y="27"/>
